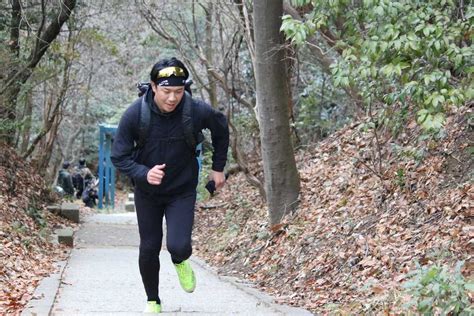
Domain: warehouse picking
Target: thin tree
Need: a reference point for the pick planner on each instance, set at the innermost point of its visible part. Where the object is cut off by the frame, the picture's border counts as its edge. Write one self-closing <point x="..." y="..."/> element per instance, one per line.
<point x="17" y="76"/>
<point x="282" y="183"/>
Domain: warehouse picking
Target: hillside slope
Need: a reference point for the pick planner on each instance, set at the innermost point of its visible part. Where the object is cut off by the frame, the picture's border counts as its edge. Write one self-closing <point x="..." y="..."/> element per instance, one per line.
<point x="359" y="228"/>
<point x="26" y="253"/>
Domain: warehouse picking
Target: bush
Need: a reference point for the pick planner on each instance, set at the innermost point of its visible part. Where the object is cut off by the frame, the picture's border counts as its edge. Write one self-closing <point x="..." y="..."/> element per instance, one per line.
<point x="436" y="290"/>
<point x="403" y="54"/>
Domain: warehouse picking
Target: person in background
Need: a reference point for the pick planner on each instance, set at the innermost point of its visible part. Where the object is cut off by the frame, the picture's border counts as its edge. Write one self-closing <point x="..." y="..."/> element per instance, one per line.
<point x="81" y="177"/>
<point x="165" y="171"/>
<point x="89" y="195"/>
<point x="65" y="180"/>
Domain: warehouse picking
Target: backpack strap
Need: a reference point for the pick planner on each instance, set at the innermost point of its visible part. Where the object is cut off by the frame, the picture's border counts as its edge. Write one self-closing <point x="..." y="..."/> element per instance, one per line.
<point x="145" y="118"/>
<point x="192" y="139"/>
<point x="188" y="121"/>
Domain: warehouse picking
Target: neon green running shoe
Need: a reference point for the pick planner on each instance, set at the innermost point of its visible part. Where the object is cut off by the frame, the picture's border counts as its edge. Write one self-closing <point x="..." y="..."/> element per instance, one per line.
<point x="186" y="276"/>
<point x="152" y="308"/>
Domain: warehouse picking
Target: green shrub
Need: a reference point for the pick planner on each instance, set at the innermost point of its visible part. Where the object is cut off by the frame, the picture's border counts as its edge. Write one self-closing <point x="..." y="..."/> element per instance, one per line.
<point x="405" y="54"/>
<point x="438" y="290"/>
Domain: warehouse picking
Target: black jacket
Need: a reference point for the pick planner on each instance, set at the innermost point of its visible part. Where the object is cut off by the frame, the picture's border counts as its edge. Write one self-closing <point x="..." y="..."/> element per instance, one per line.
<point x="166" y="144"/>
<point x="65" y="181"/>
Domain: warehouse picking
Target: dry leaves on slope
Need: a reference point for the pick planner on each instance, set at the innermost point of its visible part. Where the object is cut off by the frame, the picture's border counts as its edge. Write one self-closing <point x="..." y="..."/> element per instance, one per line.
<point x="356" y="233"/>
<point x="26" y="254"/>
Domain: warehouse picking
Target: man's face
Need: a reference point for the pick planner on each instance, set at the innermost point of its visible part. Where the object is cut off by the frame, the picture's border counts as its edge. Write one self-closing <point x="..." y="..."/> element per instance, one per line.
<point x="167" y="97"/>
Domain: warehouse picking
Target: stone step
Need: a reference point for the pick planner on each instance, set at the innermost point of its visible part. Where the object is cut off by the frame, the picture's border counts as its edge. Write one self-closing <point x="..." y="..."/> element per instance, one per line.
<point x="55" y="209"/>
<point x="70" y="211"/>
<point x="65" y="236"/>
<point x="131" y="197"/>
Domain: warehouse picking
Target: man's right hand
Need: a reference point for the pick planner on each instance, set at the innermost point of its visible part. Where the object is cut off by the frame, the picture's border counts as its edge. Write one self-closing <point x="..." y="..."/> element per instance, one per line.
<point x="156" y="174"/>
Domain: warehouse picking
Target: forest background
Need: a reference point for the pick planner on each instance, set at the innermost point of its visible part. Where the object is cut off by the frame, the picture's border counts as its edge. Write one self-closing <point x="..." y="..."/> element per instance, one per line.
<point x="373" y="98"/>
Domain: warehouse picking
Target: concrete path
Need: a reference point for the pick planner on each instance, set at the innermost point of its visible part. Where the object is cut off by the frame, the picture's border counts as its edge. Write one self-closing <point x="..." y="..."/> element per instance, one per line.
<point x="101" y="277"/>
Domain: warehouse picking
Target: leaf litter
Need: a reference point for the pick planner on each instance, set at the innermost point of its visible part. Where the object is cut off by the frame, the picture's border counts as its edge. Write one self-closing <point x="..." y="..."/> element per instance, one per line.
<point x="26" y="250"/>
<point x="356" y="233"/>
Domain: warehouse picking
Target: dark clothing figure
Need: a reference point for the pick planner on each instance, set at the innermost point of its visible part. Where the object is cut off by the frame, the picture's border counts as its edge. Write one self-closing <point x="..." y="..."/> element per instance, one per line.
<point x="81" y="176"/>
<point x="165" y="171"/>
<point x="89" y="197"/>
<point x="65" y="180"/>
<point x="78" y="183"/>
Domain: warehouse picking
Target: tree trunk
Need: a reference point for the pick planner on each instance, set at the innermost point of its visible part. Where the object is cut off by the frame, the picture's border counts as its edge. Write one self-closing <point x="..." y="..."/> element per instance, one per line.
<point x="51" y="175"/>
<point x="7" y="115"/>
<point x="27" y="117"/>
<point x="242" y="161"/>
<point x="209" y="56"/>
<point x="15" y="29"/>
<point x="52" y="117"/>
<point x="282" y="183"/>
<point x="11" y="86"/>
<point x="46" y="157"/>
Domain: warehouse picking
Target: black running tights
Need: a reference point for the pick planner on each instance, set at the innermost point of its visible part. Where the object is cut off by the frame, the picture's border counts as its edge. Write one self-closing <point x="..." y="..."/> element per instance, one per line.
<point x="179" y="213"/>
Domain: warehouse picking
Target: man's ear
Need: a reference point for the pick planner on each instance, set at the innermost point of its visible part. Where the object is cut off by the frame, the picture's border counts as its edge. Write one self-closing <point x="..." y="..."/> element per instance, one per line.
<point x="153" y="86"/>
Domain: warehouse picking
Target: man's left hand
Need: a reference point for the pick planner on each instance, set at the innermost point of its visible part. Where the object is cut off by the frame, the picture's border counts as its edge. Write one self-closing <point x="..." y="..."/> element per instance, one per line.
<point x="219" y="178"/>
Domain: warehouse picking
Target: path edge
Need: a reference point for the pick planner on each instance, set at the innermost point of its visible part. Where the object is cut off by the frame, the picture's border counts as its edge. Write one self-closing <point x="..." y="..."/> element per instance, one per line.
<point x="46" y="292"/>
<point x="248" y="288"/>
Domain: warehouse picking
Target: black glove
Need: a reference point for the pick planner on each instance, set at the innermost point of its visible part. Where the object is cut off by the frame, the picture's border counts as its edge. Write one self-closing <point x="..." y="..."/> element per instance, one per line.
<point x="211" y="187"/>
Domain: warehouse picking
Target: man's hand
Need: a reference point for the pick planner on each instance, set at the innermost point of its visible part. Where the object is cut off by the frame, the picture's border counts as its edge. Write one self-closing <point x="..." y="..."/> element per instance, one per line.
<point x="219" y="179"/>
<point x="156" y="174"/>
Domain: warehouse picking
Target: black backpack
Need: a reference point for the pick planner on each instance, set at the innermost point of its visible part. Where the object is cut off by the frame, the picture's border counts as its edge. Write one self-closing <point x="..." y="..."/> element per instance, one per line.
<point x="78" y="181"/>
<point x="192" y="139"/>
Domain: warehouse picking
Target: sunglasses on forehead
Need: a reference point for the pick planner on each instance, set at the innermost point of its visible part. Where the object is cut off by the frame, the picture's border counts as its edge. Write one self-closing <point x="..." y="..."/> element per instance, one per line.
<point x="170" y="71"/>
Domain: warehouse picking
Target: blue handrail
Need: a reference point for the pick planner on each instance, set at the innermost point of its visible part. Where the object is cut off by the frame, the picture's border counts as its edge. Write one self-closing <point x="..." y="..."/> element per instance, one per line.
<point x="106" y="168"/>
